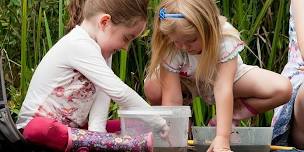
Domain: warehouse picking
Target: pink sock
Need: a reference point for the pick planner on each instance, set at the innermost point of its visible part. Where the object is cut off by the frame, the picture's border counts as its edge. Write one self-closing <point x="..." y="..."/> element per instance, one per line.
<point x="113" y="126"/>
<point x="212" y="122"/>
<point x="244" y="111"/>
<point x="249" y="108"/>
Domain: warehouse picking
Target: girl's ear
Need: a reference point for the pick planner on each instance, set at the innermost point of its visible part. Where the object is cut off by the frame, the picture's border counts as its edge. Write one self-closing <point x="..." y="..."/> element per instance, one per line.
<point x="104" y="21"/>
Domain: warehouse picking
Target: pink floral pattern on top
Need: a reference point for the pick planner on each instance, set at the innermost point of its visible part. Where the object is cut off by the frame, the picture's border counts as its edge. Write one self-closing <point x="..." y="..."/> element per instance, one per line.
<point x="70" y="103"/>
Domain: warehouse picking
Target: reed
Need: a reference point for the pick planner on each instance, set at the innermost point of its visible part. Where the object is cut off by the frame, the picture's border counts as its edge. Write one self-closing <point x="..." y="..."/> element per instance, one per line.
<point x="263" y="25"/>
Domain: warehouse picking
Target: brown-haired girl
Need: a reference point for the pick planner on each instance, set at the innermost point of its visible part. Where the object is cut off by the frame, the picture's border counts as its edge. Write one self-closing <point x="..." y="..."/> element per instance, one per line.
<point x="73" y="84"/>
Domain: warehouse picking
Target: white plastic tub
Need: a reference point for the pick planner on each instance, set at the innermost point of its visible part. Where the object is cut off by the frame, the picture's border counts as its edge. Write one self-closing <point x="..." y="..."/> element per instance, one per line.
<point x="177" y="118"/>
<point x="243" y="139"/>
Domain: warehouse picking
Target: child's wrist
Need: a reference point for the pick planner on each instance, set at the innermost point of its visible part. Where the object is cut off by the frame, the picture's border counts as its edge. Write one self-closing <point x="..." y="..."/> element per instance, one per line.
<point x="223" y="136"/>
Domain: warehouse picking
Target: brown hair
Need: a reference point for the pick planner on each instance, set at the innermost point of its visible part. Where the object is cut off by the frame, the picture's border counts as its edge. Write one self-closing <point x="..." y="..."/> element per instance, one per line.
<point x="125" y="12"/>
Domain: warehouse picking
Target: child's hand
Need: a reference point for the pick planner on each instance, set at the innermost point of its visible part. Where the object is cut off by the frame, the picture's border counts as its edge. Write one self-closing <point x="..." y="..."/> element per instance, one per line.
<point x="164" y="132"/>
<point x="220" y="144"/>
<point x="301" y="68"/>
<point x="160" y="126"/>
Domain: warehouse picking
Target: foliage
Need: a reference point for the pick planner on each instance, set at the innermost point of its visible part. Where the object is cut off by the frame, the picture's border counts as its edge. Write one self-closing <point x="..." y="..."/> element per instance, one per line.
<point x="28" y="28"/>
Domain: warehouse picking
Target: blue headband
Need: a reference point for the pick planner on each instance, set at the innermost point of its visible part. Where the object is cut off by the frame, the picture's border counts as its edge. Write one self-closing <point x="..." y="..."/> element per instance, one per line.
<point x="163" y="14"/>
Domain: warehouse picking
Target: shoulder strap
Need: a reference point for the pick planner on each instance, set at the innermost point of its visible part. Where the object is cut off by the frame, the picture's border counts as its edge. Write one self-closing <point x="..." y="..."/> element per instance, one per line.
<point x="7" y="125"/>
<point x="2" y="88"/>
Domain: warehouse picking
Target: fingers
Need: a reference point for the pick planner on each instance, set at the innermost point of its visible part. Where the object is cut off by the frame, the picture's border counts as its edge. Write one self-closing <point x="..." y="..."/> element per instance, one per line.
<point x="301" y="68"/>
<point x="164" y="133"/>
<point x="218" y="145"/>
<point x="224" y="149"/>
<point x="210" y="149"/>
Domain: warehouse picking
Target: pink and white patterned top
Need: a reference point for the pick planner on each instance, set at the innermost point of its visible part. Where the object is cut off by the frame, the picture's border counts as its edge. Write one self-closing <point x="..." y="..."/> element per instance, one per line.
<point x="73" y="84"/>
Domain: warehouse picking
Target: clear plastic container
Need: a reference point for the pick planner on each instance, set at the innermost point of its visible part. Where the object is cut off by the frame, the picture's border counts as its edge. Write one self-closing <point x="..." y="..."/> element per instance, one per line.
<point x="243" y="139"/>
<point x="177" y="118"/>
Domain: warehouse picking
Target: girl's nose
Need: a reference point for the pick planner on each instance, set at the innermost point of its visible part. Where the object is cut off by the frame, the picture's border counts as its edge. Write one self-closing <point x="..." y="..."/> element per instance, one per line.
<point x="178" y="45"/>
<point x="181" y="46"/>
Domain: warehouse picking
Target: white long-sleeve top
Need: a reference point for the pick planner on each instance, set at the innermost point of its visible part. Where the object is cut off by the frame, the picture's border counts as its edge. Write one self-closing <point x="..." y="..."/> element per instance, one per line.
<point x="74" y="84"/>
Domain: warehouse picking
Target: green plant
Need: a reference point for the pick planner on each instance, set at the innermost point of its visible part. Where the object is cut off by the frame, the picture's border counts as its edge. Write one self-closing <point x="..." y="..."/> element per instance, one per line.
<point x="29" y="28"/>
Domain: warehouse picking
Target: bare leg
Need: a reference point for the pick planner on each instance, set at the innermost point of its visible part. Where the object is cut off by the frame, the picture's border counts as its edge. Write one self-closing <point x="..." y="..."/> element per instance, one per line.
<point x="167" y="93"/>
<point x="297" y="130"/>
<point x="262" y="90"/>
<point x="152" y="89"/>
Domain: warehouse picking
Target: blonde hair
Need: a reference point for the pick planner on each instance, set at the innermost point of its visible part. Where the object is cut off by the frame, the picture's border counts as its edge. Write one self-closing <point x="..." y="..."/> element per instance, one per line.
<point x="126" y="12"/>
<point x="200" y="16"/>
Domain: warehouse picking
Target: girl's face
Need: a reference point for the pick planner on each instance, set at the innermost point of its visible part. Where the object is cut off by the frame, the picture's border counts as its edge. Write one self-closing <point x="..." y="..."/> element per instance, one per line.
<point x="116" y="37"/>
<point x="187" y="43"/>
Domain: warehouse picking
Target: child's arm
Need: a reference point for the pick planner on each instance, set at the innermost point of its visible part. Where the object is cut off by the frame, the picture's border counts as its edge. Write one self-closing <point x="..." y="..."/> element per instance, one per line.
<point x="223" y="92"/>
<point x="87" y="59"/>
<point x="171" y="88"/>
<point x="98" y="115"/>
<point x="298" y="13"/>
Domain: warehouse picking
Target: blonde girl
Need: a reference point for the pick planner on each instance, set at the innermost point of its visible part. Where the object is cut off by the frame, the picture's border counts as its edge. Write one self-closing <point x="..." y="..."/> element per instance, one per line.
<point x="74" y="83"/>
<point x="194" y="48"/>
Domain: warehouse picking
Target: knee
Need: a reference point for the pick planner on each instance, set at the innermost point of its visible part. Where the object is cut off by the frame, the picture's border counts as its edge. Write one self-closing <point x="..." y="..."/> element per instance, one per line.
<point x="283" y="91"/>
<point x="36" y="130"/>
<point x="48" y="132"/>
<point x="152" y="92"/>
